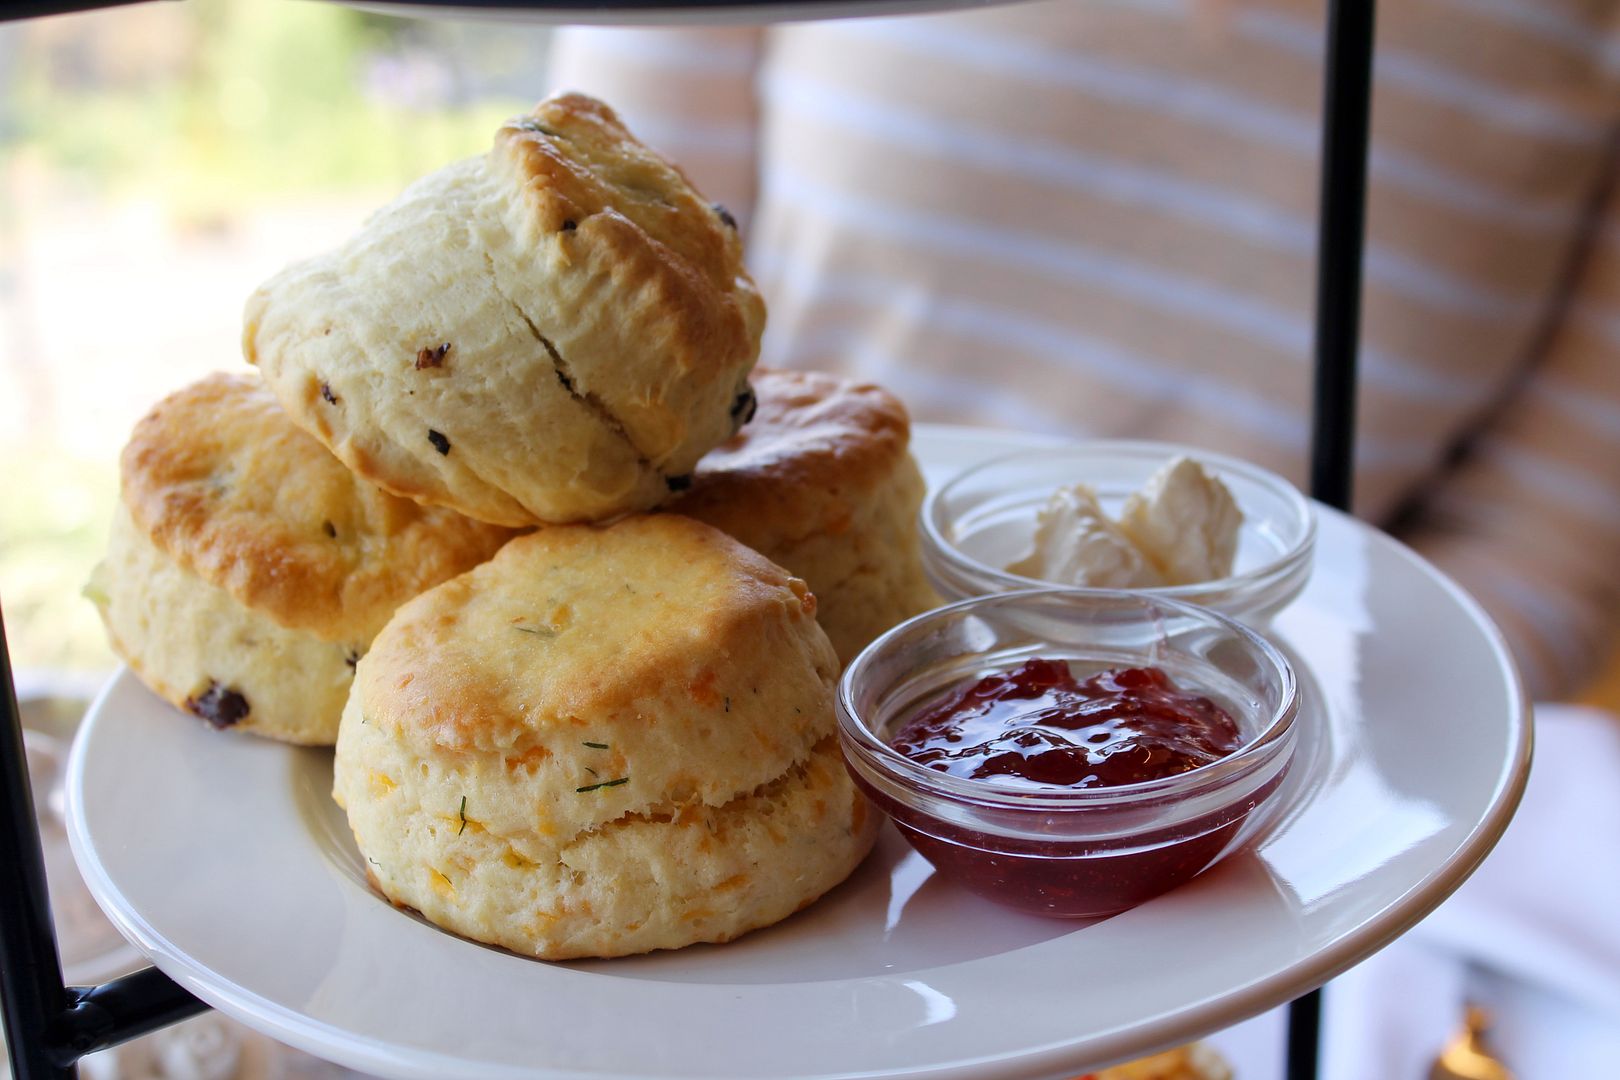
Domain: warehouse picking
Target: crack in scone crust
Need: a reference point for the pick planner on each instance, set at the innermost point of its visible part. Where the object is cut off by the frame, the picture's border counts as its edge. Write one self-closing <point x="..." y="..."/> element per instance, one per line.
<point x="663" y="813"/>
<point x="591" y="402"/>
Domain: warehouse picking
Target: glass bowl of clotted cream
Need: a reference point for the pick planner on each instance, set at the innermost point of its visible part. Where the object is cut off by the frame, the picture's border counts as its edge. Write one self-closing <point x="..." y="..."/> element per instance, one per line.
<point x="1170" y="520"/>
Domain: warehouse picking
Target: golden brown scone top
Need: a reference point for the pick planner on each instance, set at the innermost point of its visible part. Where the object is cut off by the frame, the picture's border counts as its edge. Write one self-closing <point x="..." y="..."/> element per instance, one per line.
<point x="815" y="442"/>
<point x="675" y="663"/>
<point x="588" y="179"/>
<point x="223" y="481"/>
<point x="579" y="161"/>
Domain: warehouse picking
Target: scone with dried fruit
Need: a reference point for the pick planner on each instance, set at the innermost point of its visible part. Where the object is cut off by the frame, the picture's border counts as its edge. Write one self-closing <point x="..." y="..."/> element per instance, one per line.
<point x="554" y="331"/>
<point x="248" y="570"/>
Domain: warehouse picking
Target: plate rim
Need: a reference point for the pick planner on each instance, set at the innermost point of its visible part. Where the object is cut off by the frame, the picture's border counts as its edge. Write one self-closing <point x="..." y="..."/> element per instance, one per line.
<point x="654" y="13"/>
<point x="1399" y="913"/>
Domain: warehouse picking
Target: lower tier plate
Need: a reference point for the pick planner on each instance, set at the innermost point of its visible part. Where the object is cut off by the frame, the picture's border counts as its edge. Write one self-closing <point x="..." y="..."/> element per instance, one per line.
<point x="225" y="861"/>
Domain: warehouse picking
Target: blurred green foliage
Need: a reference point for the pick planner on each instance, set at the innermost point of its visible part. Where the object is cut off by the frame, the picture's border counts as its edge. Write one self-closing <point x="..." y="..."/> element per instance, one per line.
<point x="54" y="515"/>
<point x="263" y="100"/>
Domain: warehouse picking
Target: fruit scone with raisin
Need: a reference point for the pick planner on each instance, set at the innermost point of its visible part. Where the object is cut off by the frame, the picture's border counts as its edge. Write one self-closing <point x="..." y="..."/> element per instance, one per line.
<point x="550" y="332"/>
<point x="247" y="570"/>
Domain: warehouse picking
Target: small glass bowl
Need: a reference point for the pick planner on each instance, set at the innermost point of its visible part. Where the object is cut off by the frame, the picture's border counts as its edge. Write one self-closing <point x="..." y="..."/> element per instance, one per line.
<point x="1071" y="852"/>
<point x="985" y="518"/>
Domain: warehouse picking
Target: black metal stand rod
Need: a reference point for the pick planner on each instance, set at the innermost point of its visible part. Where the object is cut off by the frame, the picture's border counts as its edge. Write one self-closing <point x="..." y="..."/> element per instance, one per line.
<point x="1346" y="116"/>
<point x="50" y="1026"/>
<point x="32" y="996"/>
<point x="99" y="1017"/>
<point x="1305" y="1036"/>
<point x="1342" y="218"/>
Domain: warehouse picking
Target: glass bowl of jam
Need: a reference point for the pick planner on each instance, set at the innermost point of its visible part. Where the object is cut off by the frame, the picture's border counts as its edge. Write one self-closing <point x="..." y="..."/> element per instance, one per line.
<point x="1071" y="752"/>
<point x="980" y="528"/>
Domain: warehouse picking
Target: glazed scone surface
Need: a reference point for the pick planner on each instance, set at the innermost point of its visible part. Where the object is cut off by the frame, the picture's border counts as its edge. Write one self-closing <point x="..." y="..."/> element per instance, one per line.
<point x="822" y="482"/>
<point x="548" y="333"/>
<point x="224" y="483"/>
<point x="639" y="721"/>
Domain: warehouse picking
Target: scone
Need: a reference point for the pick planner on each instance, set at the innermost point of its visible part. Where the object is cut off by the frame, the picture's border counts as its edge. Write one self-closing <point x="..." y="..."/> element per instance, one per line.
<point x="248" y="570"/>
<point x="606" y="740"/>
<point x="1195" y="1061"/>
<point x="822" y="482"/>
<point x="553" y="332"/>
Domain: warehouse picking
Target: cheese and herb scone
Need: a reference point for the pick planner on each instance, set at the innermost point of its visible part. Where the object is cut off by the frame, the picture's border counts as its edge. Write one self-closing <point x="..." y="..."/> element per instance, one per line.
<point x="248" y="570"/>
<point x="822" y="482"/>
<point x="555" y="331"/>
<point x="605" y="741"/>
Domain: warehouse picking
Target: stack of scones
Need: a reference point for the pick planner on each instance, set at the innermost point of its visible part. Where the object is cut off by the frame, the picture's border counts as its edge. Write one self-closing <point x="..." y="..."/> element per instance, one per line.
<point x="507" y="522"/>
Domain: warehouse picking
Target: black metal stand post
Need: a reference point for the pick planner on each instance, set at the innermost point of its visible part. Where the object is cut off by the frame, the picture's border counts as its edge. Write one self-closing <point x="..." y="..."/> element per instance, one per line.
<point x="31" y="990"/>
<point x="1341" y="222"/>
<point x="1341" y="226"/>
<point x="50" y="1026"/>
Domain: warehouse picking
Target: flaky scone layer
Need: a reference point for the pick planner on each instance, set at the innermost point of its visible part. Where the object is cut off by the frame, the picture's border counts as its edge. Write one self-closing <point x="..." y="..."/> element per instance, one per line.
<point x="549" y="333"/>
<point x="604" y="741"/>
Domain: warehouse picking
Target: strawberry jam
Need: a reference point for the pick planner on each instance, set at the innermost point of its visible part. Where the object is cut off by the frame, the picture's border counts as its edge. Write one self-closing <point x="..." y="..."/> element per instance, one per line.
<point x="1038" y="732"/>
<point x="1041" y="725"/>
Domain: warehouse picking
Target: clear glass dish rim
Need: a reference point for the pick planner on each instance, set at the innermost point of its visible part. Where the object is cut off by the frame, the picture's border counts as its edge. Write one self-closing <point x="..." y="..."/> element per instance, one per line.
<point x="993" y="795"/>
<point x="1133" y="448"/>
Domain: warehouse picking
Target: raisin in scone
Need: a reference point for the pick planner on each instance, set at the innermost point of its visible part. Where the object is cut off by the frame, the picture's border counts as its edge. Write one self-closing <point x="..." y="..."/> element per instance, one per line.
<point x="822" y="482"/>
<point x="604" y="741"/>
<point x="552" y="332"/>
<point x="248" y="570"/>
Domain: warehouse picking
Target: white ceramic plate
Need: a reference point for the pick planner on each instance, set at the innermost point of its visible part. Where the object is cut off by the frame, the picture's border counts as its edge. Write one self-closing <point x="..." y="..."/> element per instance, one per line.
<point x="223" y="858"/>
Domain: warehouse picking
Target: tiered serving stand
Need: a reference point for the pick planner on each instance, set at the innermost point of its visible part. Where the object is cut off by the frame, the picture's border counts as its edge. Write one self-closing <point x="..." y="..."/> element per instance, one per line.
<point x="50" y="1026"/>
